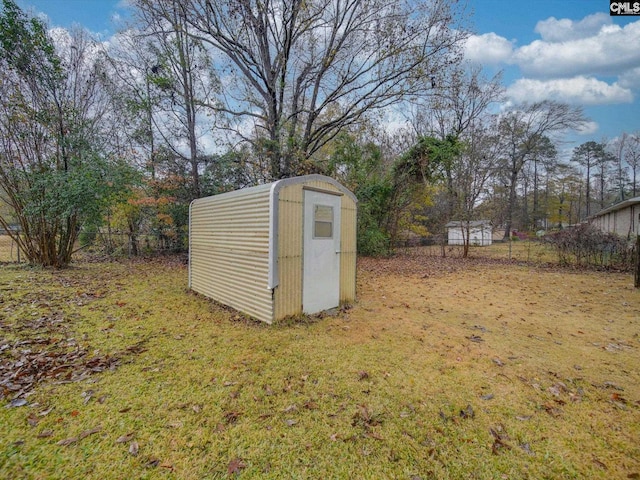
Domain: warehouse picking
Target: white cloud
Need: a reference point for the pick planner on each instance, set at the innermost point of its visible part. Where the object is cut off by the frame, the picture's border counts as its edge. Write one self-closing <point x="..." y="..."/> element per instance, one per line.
<point x="488" y="49"/>
<point x="630" y="78"/>
<point x="611" y="51"/>
<point x="588" y="128"/>
<point x="577" y="90"/>
<point x="554" y="30"/>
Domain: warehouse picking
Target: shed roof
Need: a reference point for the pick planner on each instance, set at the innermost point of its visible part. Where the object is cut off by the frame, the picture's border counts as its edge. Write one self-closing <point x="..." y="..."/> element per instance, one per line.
<point x="473" y="223"/>
<point x="617" y="206"/>
<point x="275" y="187"/>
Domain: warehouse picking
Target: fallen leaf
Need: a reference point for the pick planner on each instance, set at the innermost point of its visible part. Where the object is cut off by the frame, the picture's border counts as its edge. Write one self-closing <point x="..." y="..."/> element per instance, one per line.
<point x="467" y="412"/>
<point x="235" y="466"/>
<point x="527" y="448"/>
<point x="91" y="431"/>
<point x="616" y="397"/>
<point x="551" y="410"/>
<point x="600" y="464"/>
<point x="475" y="338"/>
<point x="291" y="422"/>
<point x="126" y="438"/>
<point x="133" y="448"/>
<point x="68" y="441"/>
<point x="45" y="434"/>
<point x="554" y="390"/>
<point x="311" y="405"/>
<point x="44" y="413"/>
<point x="232" y="417"/>
<point x="499" y="439"/>
<point x="366" y="418"/>
<point x="488" y="396"/>
<point x="16" y="402"/>
<point x="613" y="386"/>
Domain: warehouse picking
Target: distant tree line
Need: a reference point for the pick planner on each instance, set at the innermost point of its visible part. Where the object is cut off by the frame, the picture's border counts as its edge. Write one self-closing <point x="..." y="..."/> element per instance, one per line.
<point x="108" y="143"/>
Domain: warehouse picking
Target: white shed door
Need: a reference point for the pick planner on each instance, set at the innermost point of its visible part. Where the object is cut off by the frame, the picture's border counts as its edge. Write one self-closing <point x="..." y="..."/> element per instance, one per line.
<point x="321" y="276"/>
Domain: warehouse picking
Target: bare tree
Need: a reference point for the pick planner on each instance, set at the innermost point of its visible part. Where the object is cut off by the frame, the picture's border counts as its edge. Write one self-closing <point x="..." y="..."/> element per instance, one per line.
<point x="168" y="77"/>
<point x="522" y="130"/>
<point x="588" y="155"/>
<point x="617" y="147"/>
<point x="473" y="169"/>
<point x="295" y="72"/>
<point x="603" y="175"/>
<point x="185" y="81"/>
<point x="564" y="186"/>
<point x="454" y="107"/>
<point x="457" y="103"/>
<point x="632" y="158"/>
<point x="543" y="157"/>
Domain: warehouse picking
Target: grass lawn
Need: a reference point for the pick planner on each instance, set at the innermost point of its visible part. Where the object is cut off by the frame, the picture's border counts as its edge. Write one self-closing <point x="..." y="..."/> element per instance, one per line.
<point x="444" y="368"/>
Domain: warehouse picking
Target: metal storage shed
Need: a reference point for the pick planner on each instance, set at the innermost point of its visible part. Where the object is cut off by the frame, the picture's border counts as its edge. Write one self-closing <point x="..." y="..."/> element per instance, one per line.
<point x="479" y="232"/>
<point x="276" y="250"/>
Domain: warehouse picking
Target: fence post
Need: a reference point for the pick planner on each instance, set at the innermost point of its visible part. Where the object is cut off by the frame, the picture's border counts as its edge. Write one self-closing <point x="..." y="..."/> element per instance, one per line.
<point x="636" y="282"/>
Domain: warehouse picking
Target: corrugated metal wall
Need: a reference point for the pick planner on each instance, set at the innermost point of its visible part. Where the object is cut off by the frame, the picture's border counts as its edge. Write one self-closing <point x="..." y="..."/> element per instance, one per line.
<point x="229" y="250"/>
<point x="288" y="294"/>
<point x="348" y="256"/>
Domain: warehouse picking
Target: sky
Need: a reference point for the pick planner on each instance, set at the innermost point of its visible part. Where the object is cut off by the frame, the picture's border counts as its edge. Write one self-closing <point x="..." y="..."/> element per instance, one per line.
<point x="570" y="50"/>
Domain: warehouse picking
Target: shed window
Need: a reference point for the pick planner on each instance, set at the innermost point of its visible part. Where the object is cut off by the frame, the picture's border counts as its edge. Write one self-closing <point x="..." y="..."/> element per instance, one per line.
<point x="322" y="221"/>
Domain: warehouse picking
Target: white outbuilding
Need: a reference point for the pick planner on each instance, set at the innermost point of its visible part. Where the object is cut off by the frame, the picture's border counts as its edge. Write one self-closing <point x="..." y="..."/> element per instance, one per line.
<point x="479" y="232"/>
<point x="276" y="250"/>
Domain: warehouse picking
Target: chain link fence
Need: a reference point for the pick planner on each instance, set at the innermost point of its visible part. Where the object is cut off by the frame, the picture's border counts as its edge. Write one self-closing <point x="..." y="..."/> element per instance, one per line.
<point x="621" y="255"/>
<point x="9" y="251"/>
<point x="530" y="250"/>
<point x="104" y="245"/>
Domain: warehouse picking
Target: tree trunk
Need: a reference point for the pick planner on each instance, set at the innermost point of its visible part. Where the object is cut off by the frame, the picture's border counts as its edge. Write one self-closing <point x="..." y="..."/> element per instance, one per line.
<point x="465" y="240"/>
<point x="512" y="203"/>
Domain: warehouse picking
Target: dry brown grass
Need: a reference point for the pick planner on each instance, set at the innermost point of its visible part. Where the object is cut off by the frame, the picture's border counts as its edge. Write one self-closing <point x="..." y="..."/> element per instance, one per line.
<point x="443" y="369"/>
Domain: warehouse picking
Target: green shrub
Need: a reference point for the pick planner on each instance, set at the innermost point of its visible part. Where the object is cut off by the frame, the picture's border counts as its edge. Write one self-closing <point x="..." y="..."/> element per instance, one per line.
<point x="373" y="242"/>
